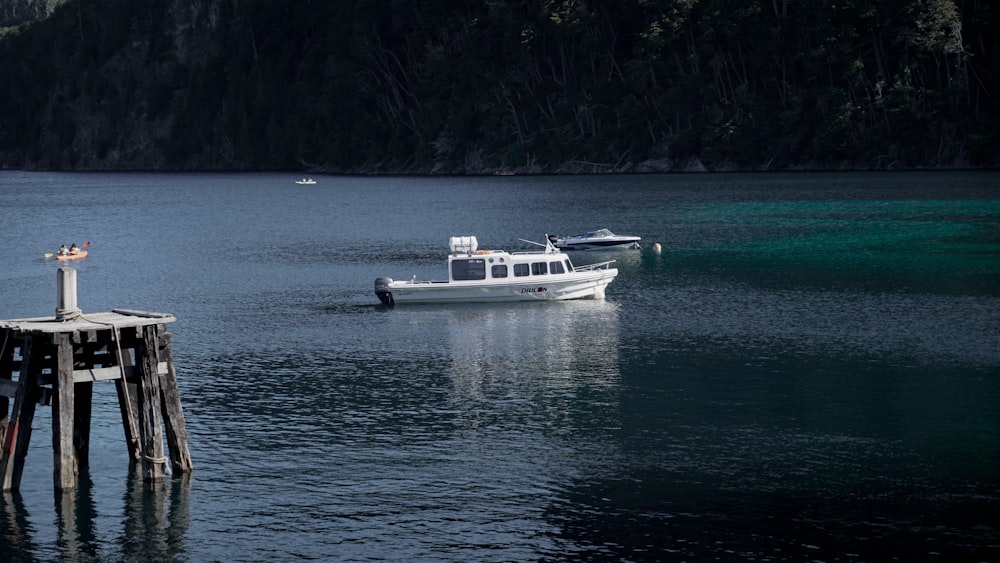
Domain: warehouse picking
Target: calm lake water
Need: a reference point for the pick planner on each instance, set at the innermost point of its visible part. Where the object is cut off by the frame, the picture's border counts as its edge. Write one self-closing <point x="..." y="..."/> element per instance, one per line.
<point x="810" y="370"/>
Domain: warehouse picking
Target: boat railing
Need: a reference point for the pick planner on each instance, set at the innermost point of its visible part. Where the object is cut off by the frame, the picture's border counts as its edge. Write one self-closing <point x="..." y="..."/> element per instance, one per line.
<point x="530" y="252"/>
<point x="597" y="266"/>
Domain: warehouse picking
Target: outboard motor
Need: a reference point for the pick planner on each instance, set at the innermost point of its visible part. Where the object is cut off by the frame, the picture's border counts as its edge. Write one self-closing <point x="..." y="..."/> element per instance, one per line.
<point x="383" y="292"/>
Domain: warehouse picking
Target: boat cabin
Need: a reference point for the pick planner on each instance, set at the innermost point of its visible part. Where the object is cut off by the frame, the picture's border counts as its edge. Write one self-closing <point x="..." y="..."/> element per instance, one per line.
<point x="468" y="263"/>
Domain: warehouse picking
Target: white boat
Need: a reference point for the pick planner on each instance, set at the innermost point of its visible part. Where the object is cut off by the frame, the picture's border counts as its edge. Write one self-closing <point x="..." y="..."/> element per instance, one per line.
<point x="487" y="276"/>
<point x="592" y="240"/>
<point x="305" y="181"/>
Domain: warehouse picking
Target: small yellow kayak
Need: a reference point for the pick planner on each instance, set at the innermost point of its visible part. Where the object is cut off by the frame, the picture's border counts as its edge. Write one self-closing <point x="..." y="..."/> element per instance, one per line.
<point x="77" y="256"/>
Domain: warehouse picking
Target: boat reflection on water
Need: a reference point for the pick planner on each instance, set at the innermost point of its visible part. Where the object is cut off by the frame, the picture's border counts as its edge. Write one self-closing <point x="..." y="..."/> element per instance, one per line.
<point x="526" y="382"/>
<point x="532" y="348"/>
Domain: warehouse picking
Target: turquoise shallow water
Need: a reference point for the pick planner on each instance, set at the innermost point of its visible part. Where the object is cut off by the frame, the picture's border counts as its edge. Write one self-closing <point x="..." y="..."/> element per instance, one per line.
<point x="807" y="371"/>
<point x="923" y="245"/>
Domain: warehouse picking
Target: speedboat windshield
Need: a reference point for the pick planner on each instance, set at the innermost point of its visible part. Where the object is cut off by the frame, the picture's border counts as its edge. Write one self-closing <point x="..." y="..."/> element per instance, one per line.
<point x="594" y="234"/>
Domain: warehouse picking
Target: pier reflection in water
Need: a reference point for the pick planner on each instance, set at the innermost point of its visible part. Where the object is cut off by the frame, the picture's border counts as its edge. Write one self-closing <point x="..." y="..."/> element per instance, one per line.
<point x="156" y="518"/>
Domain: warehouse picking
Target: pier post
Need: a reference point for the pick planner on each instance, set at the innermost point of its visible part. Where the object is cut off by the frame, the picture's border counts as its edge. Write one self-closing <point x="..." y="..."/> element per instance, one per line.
<point x="66" y="309"/>
<point x="64" y="467"/>
<point x="173" y="415"/>
<point x="15" y="445"/>
<point x="151" y="440"/>
<point x="7" y="386"/>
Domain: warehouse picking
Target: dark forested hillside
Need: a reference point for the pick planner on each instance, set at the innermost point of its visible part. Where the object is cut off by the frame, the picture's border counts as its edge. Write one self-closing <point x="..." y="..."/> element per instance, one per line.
<point x="16" y="12"/>
<point x="472" y="86"/>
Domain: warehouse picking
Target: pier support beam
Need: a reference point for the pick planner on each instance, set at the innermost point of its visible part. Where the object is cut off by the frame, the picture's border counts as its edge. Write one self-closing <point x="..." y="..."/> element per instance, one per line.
<point x="150" y="439"/>
<point x="64" y="466"/>
<point x="173" y="415"/>
<point x="15" y="445"/>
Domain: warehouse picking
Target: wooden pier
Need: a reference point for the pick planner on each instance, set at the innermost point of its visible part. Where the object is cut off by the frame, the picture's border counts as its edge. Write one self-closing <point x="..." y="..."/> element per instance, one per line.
<point x="58" y="359"/>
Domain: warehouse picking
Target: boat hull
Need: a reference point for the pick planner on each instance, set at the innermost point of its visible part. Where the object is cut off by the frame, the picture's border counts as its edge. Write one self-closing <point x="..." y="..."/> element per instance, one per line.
<point x="578" y="285"/>
<point x="71" y="257"/>
<point x="598" y="244"/>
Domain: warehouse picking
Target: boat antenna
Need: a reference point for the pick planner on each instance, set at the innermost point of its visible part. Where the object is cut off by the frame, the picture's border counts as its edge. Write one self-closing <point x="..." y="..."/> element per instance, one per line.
<point x="548" y="246"/>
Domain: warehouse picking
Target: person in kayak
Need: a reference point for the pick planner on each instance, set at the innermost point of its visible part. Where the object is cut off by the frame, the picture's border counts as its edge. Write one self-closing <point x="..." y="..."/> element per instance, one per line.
<point x="63" y="251"/>
<point x="73" y="249"/>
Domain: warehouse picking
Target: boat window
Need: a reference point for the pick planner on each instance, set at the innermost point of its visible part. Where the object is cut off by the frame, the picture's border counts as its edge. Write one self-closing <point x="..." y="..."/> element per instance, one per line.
<point x="520" y="270"/>
<point x="556" y="268"/>
<point x="499" y="271"/>
<point x="539" y="268"/>
<point x="474" y="269"/>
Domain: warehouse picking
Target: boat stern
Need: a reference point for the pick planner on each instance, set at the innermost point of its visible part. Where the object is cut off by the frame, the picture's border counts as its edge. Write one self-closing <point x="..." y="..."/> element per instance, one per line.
<point x="383" y="290"/>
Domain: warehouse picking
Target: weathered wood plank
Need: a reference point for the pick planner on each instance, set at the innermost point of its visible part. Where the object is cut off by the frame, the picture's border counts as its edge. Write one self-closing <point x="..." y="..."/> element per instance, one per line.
<point x="113" y="372"/>
<point x="146" y="314"/>
<point x="7" y="387"/>
<point x="15" y="445"/>
<point x="86" y="322"/>
<point x="64" y="466"/>
<point x="83" y="396"/>
<point x="150" y="436"/>
<point x="128" y="404"/>
<point x="173" y="416"/>
<point x="101" y="374"/>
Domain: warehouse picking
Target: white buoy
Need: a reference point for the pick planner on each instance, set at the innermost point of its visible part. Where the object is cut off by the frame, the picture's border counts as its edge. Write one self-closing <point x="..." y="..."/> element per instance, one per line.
<point x="656" y="247"/>
<point x="66" y="309"/>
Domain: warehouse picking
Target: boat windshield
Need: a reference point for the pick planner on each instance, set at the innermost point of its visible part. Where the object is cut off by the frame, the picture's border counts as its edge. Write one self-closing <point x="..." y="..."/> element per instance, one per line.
<point x="599" y="233"/>
<point x="473" y="269"/>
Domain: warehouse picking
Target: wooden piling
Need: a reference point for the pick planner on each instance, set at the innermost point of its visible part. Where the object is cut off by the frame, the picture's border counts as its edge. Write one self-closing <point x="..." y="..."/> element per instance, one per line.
<point x="173" y="416"/>
<point x="57" y="360"/>
<point x="65" y="466"/>
<point x="151" y="440"/>
<point x="15" y="446"/>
